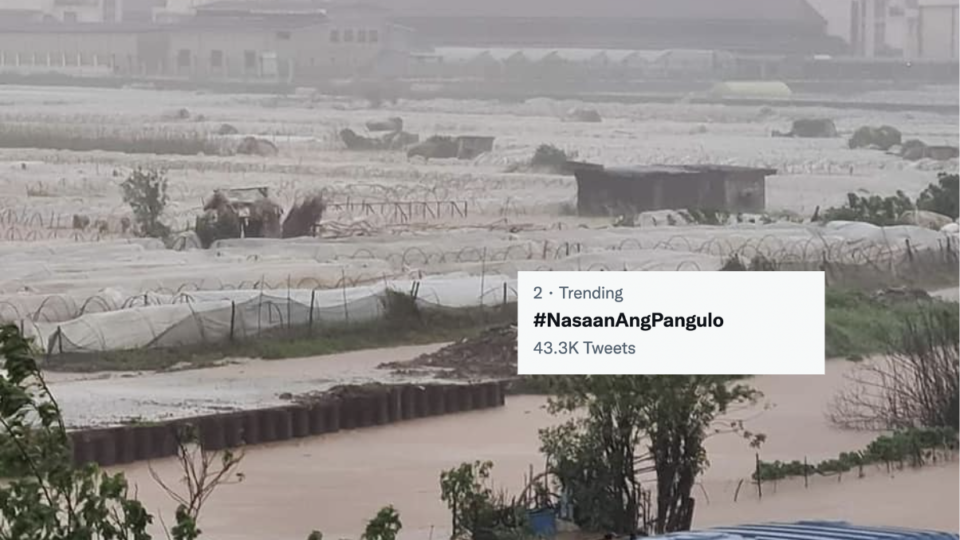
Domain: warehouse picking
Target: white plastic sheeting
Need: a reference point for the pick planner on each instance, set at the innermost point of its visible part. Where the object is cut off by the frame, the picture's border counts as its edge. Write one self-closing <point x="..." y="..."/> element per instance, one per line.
<point x="56" y="283"/>
<point x="216" y="316"/>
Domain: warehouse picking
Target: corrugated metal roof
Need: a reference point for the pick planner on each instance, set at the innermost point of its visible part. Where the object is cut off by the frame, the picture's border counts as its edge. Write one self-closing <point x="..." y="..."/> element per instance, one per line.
<point x="810" y="530"/>
<point x="639" y="171"/>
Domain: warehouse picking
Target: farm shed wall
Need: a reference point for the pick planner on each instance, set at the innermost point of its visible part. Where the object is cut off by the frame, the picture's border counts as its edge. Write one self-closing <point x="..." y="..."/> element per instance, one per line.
<point x="606" y="192"/>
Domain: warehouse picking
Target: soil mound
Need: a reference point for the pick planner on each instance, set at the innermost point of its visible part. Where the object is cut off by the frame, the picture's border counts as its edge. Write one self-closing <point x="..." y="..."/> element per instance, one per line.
<point x="492" y="354"/>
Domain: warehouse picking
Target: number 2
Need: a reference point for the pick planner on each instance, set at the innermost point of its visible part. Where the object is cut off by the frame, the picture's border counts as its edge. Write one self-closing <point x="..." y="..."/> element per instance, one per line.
<point x="539" y="290"/>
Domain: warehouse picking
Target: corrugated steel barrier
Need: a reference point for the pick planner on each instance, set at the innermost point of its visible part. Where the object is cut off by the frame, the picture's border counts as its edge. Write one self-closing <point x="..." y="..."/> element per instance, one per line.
<point x="370" y="406"/>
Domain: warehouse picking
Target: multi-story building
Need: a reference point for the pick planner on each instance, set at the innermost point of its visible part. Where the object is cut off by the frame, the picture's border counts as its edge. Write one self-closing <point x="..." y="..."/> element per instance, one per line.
<point x="910" y="29"/>
<point x="741" y="26"/>
<point x="225" y="41"/>
<point x="937" y="34"/>
<point x="884" y="28"/>
<point x="69" y="11"/>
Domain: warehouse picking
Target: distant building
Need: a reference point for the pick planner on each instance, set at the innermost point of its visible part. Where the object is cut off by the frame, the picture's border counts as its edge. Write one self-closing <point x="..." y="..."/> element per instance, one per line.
<point x="224" y="41"/>
<point x="68" y="11"/>
<point x="909" y="29"/>
<point x="611" y="191"/>
<point x="744" y="26"/>
<point x="884" y="28"/>
<point x="938" y="30"/>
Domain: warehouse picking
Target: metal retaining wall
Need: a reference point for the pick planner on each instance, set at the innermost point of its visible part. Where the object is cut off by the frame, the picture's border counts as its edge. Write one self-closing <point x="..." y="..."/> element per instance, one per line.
<point x="377" y="406"/>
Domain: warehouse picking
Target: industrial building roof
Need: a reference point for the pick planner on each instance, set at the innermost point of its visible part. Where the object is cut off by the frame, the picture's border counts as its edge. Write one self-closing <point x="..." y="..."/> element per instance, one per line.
<point x="640" y="171"/>
<point x="267" y="23"/>
<point x="740" y="10"/>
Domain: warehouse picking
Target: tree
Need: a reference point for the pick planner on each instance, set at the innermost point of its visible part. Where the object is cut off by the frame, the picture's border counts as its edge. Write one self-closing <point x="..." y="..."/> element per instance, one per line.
<point x="914" y="385"/>
<point x="475" y="509"/>
<point x="203" y="473"/>
<point x="465" y="491"/>
<point x="594" y="455"/>
<point x="145" y="191"/>
<point x="53" y="499"/>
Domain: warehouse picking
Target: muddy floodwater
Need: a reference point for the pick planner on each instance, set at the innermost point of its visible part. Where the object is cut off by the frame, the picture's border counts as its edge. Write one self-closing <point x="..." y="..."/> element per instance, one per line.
<point x="334" y="483"/>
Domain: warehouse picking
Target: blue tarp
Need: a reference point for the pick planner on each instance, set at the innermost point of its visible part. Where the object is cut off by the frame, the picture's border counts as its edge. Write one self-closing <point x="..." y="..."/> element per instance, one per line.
<point x="810" y="530"/>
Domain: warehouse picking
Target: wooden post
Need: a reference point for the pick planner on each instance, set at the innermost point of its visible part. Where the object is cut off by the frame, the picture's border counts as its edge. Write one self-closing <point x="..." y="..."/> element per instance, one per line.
<point x="233" y="319"/>
<point x="343" y="288"/>
<point x="759" y="479"/>
<point x="313" y="298"/>
<point x="805" y="484"/>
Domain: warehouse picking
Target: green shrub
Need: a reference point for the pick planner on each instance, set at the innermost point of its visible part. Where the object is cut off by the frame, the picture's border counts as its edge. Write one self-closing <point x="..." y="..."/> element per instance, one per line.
<point x="145" y="190"/>
<point x="913" y="446"/>
<point x="880" y="211"/>
<point x="942" y="197"/>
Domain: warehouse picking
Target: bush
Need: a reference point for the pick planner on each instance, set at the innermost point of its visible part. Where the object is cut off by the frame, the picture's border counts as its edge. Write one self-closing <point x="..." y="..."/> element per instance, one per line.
<point x="942" y="197"/>
<point x="705" y="216"/>
<point x="913" y="445"/>
<point x="145" y="190"/>
<point x="474" y="508"/>
<point x="880" y="211"/>
<point x="549" y="157"/>
<point x="759" y="263"/>
<point x="915" y="384"/>
<point x="384" y="526"/>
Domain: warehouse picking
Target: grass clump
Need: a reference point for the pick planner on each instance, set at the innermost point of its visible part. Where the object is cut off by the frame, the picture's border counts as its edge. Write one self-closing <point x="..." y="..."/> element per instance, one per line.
<point x="858" y="324"/>
<point x="107" y="140"/>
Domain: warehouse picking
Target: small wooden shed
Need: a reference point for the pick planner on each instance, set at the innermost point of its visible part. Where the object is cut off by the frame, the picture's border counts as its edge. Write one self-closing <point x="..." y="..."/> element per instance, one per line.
<point x="612" y="191"/>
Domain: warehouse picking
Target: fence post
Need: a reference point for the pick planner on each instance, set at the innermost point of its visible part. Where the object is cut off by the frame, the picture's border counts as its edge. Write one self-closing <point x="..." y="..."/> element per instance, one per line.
<point x="343" y="288"/>
<point x="233" y="318"/>
<point x="805" y="471"/>
<point x="483" y="276"/>
<point x="260" y="310"/>
<point x="759" y="478"/>
<point x="504" y="293"/>
<point x="60" y="338"/>
<point x="313" y="296"/>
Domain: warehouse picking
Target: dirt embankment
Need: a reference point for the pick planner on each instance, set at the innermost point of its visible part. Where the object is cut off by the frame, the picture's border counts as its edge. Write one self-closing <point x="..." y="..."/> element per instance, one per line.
<point x="491" y="355"/>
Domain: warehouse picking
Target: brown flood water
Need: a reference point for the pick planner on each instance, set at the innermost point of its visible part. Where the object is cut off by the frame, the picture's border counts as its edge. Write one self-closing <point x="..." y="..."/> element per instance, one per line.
<point x="335" y="483"/>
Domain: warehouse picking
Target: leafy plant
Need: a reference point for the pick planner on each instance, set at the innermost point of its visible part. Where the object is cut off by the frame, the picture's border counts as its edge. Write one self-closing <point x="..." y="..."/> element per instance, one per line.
<point x="384" y="526"/>
<point x="705" y="216"/>
<point x="145" y="191"/>
<point x="758" y="263"/>
<point x="913" y="445"/>
<point x="880" y="211"/>
<point x="201" y="475"/>
<point x="594" y="455"/>
<point x="942" y="197"/>
<point x="467" y="496"/>
<point x="53" y="499"/>
<point x="475" y="509"/>
<point x="549" y="157"/>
